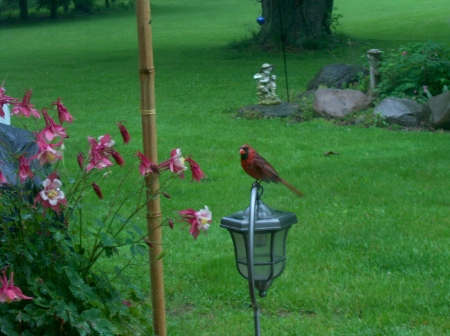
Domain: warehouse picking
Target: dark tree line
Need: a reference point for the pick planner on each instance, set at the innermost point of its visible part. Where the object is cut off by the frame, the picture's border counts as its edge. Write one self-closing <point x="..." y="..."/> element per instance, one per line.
<point x="294" y="22"/>
<point x="83" y="6"/>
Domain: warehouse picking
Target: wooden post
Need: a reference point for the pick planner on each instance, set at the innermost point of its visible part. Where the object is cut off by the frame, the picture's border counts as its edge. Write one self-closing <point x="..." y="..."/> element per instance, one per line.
<point x="148" y="113"/>
<point x="374" y="57"/>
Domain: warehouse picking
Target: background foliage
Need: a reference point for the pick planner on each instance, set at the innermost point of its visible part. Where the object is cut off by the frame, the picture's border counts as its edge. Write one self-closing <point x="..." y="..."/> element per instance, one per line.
<point x="416" y="70"/>
<point x="44" y="9"/>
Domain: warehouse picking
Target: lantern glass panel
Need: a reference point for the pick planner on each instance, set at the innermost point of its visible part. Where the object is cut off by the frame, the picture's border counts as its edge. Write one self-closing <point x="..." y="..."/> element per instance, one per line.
<point x="279" y="252"/>
<point x="269" y="254"/>
<point x="240" y="249"/>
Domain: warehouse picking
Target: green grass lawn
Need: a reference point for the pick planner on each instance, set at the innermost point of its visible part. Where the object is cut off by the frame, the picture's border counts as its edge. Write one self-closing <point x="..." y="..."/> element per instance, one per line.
<point x="370" y="254"/>
<point x="395" y="22"/>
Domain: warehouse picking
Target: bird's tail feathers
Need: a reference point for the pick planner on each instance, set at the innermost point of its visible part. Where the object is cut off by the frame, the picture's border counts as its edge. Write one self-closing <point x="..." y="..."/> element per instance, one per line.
<point x="292" y="188"/>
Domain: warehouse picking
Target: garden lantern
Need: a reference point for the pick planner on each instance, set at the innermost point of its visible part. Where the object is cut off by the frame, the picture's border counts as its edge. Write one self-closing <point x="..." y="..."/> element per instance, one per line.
<point x="259" y="237"/>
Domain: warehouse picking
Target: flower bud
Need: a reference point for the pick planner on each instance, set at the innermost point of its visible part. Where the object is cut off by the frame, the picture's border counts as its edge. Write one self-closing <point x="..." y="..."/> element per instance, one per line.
<point x="97" y="190"/>
<point x="80" y="159"/>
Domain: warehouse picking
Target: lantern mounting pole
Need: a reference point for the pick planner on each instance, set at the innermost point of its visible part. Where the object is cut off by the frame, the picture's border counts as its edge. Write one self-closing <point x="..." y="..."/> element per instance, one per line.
<point x="259" y="231"/>
<point x="250" y="245"/>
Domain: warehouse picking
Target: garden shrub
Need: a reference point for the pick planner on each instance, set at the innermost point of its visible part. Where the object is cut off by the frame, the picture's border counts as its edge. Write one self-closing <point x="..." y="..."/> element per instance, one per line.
<point x="416" y="71"/>
<point x="54" y="232"/>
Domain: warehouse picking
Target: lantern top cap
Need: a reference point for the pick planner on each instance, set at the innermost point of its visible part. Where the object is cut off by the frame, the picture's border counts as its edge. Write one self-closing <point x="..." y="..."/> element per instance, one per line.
<point x="266" y="219"/>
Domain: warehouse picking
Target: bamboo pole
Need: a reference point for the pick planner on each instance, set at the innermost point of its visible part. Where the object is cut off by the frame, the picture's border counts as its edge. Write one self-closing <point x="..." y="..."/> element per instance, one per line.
<point x="148" y="115"/>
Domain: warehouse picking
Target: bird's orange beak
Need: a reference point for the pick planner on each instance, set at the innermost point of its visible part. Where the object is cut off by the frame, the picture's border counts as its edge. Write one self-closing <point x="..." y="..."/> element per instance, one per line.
<point x="241" y="151"/>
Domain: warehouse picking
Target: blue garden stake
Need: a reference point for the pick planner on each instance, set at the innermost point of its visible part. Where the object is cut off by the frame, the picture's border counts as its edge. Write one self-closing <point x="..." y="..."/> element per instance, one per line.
<point x="261" y="20"/>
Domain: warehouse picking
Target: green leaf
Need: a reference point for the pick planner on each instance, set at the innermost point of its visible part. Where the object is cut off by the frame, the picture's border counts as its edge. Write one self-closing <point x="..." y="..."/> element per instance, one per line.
<point x="129" y="241"/>
<point x="99" y="222"/>
<point x="41" y="302"/>
<point x="82" y="292"/>
<point x="73" y="276"/>
<point x="120" y="218"/>
<point x="107" y="240"/>
<point x="27" y="333"/>
<point x="97" y="322"/>
<point x="22" y="316"/>
<point x="7" y="327"/>
<point x="27" y="255"/>
<point x="43" y="316"/>
<point x="58" y="236"/>
<point x="82" y="326"/>
<point x="138" y="249"/>
<point x="109" y="251"/>
<point x="161" y="255"/>
<point x="61" y="309"/>
<point x="138" y="230"/>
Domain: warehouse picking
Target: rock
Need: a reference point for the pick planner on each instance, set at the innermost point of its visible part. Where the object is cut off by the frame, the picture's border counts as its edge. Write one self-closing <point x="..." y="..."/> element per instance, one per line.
<point x="401" y="111"/>
<point x="280" y="110"/>
<point x="339" y="103"/>
<point x="336" y="76"/>
<point x="15" y="141"/>
<point x="438" y="108"/>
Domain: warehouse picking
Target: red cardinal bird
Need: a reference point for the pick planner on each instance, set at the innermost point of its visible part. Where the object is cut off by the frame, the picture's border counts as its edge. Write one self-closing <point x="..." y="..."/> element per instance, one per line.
<point x="258" y="168"/>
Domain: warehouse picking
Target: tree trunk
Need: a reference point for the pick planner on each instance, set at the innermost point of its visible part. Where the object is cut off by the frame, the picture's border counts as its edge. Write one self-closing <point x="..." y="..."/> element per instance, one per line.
<point x="23" y="5"/>
<point x="53" y="9"/>
<point x="295" y="21"/>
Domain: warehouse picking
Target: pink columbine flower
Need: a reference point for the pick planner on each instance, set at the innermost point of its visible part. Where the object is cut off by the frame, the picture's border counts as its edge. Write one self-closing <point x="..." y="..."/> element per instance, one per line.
<point x="425" y="88"/>
<point x="145" y="166"/>
<point x="10" y="292"/>
<point x="197" y="173"/>
<point x="175" y="163"/>
<point x="97" y="190"/>
<point x="100" y="152"/>
<point x="24" y="168"/>
<point x="198" y="220"/>
<point x="25" y="108"/>
<point x="2" y="178"/>
<point x="124" y="132"/>
<point x="127" y="303"/>
<point x="47" y="152"/>
<point x="97" y="160"/>
<point x="404" y="53"/>
<point x="51" y="129"/>
<point x="51" y="196"/>
<point x="63" y="114"/>
<point x="4" y="99"/>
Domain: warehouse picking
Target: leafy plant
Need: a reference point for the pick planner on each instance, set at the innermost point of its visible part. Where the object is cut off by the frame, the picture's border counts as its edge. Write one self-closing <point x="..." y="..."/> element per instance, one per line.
<point x="333" y="20"/>
<point x="306" y="103"/>
<point x="417" y="71"/>
<point x="379" y="120"/>
<point x="362" y="83"/>
<point x="52" y="235"/>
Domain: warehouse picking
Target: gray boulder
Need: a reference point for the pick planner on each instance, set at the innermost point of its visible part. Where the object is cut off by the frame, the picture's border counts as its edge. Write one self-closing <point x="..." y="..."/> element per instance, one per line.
<point x="280" y="110"/>
<point x="438" y="108"/>
<point x="401" y="111"/>
<point x="336" y="76"/>
<point x="14" y="142"/>
<point x="337" y="103"/>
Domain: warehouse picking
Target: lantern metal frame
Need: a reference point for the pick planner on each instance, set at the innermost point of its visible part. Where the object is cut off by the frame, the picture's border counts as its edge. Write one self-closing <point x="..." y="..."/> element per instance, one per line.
<point x="262" y="230"/>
